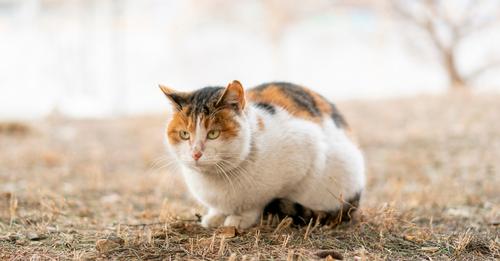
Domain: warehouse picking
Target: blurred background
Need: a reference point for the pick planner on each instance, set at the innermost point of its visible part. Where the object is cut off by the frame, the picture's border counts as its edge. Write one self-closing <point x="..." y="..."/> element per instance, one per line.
<point x="96" y="58"/>
<point x="82" y="153"/>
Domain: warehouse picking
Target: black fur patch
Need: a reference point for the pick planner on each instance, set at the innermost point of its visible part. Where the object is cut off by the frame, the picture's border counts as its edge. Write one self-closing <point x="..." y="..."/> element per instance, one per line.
<point x="301" y="215"/>
<point x="344" y="214"/>
<point x="179" y="100"/>
<point x="299" y="96"/>
<point x="337" y="117"/>
<point x="273" y="207"/>
<point x="266" y="106"/>
<point x="203" y="101"/>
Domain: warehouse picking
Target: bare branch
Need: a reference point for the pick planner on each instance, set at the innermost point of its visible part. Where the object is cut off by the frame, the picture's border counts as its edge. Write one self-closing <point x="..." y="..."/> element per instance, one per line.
<point x="483" y="69"/>
<point x="446" y="30"/>
<point x="407" y="14"/>
<point x="423" y="21"/>
<point x="471" y="21"/>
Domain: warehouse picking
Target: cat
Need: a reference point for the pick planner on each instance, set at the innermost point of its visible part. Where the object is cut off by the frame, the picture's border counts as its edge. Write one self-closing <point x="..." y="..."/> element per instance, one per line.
<point x="276" y="148"/>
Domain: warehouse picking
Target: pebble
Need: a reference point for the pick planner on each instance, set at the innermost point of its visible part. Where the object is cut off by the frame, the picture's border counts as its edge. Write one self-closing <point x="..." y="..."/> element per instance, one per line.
<point x="33" y="236"/>
<point x="108" y="244"/>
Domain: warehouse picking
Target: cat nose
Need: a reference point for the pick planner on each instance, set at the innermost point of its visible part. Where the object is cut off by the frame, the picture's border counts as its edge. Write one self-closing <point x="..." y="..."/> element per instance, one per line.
<point x="197" y="155"/>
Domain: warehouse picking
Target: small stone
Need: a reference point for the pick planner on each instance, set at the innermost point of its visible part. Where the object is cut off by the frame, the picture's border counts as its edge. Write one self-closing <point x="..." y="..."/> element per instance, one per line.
<point x="462" y="212"/>
<point x="494" y="222"/>
<point x="51" y="229"/>
<point x="227" y="232"/>
<point x="110" y="199"/>
<point x="329" y="254"/>
<point x="109" y="244"/>
<point x="33" y="236"/>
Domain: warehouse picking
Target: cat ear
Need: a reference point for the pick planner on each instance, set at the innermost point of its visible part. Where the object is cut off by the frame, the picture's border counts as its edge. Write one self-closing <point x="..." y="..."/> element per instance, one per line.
<point x="178" y="99"/>
<point x="233" y="95"/>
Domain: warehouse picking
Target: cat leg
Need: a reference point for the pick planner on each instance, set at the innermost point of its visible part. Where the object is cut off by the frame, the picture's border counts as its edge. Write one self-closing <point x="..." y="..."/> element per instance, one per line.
<point x="243" y="220"/>
<point x="212" y="219"/>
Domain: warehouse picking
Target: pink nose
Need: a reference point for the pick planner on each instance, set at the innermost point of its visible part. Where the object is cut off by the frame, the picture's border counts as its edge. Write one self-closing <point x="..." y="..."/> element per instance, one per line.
<point x="197" y="155"/>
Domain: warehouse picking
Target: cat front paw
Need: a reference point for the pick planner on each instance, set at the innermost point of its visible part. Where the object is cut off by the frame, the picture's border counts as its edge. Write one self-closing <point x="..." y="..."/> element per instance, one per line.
<point x="212" y="219"/>
<point x="243" y="221"/>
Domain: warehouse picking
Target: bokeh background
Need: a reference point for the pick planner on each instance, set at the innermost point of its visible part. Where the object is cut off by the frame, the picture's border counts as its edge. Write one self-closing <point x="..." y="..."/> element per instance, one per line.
<point x="94" y="58"/>
<point x="83" y="170"/>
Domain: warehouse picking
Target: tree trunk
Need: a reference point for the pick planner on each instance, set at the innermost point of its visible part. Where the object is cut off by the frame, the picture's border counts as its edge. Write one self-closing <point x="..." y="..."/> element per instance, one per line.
<point x="456" y="81"/>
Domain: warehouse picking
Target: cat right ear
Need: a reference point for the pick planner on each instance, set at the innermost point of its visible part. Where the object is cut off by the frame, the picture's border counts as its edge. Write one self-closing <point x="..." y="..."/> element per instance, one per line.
<point x="177" y="98"/>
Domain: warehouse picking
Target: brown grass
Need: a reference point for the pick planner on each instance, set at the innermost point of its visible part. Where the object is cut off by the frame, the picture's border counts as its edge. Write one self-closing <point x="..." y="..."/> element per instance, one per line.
<point x="433" y="191"/>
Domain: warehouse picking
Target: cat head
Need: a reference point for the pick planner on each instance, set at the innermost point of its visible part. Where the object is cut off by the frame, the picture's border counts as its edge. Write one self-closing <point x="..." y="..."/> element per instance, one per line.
<point x="207" y="128"/>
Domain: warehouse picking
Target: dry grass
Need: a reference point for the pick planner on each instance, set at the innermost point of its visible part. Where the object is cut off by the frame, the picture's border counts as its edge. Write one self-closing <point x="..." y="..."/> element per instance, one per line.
<point x="433" y="191"/>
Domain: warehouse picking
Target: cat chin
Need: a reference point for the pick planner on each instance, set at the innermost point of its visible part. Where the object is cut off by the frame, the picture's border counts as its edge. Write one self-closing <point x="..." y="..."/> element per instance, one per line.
<point x="202" y="167"/>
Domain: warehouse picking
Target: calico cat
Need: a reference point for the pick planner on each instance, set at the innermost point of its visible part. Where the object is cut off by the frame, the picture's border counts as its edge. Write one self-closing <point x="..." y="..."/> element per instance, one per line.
<point x="278" y="148"/>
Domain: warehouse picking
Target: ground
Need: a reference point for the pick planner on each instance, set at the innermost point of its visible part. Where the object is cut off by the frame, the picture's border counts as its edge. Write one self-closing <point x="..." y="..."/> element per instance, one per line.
<point x="98" y="189"/>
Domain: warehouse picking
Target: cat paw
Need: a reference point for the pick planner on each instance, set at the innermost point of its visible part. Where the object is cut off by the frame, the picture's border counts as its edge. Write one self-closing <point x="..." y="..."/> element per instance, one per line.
<point x="212" y="220"/>
<point x="240" y="222"/>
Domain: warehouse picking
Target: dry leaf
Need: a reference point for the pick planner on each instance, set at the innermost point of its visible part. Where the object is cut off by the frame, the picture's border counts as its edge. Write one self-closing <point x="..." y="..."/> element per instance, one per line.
<point x="227" y="232"/>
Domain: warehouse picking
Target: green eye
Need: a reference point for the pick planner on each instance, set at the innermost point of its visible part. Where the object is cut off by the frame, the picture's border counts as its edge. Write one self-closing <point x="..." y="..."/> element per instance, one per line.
<point x="184" y="135"/>
<point x="213" y="134"/>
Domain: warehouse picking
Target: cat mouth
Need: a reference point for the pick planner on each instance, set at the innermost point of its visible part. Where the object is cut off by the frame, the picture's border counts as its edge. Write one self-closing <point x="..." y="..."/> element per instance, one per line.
<point x="203" y="164"/>
<point x="206" y="166"/>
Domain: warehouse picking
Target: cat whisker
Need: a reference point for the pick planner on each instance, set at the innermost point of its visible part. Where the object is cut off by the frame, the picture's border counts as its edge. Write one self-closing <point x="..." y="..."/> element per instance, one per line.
<point x="240" y="172"/>
<point x="227" y="177"/>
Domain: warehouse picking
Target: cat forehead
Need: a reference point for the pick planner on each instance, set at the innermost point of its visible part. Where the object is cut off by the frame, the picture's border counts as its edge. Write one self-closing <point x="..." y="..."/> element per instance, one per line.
<point x="203" y="101"/>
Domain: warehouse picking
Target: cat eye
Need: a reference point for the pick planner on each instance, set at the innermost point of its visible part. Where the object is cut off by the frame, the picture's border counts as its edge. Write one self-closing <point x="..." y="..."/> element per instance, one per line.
<point x="213" y="134"/>
<point x="184" y="135"/>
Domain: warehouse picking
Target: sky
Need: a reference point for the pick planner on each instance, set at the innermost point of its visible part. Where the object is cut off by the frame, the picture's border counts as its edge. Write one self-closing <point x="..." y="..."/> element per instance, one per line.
<point x="106" y="58"/>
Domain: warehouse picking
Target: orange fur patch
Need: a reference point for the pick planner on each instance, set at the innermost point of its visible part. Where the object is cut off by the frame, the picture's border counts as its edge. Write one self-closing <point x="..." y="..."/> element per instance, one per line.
<point x="272" y="94"/>
<point x="223" y="121"/>
<point x="179" y="122"/>
<point x="323" y="106"/>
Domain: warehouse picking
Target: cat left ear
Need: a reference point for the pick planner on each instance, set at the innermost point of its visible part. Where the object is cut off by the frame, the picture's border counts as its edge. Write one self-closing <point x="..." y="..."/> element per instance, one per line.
<point x="234" y="95"/>
<point x="177" y="98"/>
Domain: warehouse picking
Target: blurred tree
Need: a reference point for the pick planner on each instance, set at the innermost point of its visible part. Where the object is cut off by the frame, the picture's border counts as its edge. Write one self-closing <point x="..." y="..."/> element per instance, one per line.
<point x="279" y="17"/>
<point x="447" y="24"/>
<point x="272" y="19"/>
